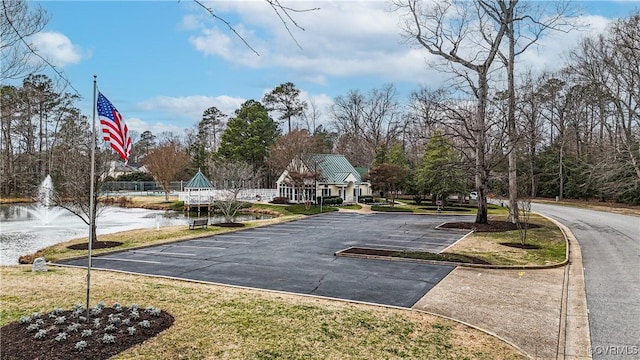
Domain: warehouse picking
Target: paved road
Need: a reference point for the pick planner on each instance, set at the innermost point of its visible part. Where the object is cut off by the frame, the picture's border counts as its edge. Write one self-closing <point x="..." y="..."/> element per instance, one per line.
<point x="610" y="245"/>
<point x="299" y="257"/>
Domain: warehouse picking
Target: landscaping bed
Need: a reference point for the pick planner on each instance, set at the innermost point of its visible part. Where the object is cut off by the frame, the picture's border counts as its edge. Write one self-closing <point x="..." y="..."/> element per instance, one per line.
<point x="416" y="255"/>
<point x="492" y="226"/>
<point x="67" y="334"/>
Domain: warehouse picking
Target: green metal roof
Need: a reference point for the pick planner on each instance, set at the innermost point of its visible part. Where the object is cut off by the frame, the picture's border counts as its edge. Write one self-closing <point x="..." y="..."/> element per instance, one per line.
<point x="199" y="181"/>
<point x="334" y="169"/>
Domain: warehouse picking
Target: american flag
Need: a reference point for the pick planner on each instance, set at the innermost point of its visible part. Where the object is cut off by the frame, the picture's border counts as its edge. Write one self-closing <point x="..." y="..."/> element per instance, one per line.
<point x="114" y="130"/>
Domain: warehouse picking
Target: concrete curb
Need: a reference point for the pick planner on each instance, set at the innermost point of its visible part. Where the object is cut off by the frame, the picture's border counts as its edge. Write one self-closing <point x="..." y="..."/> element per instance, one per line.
<point x="311" y="296"/>
<point x="574" y="333"/>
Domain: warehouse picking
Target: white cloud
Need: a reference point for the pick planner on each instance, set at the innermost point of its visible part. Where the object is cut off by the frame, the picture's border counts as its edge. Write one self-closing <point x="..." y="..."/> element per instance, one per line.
<point x="347" y="39"/>
<point x="189" y="109"/>
<point x="551" y="51"/>
<point x="139" y="126"/>
<point x="343" y="38"/>
<point x="57" y="48"/>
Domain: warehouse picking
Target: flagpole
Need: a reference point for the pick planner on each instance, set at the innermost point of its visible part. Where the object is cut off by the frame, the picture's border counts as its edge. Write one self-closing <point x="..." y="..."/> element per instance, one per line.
<point x="92" y="217"/>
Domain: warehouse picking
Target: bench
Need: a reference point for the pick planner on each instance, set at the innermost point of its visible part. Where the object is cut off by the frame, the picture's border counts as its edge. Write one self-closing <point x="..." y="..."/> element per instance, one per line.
<point x="198" y="223"/>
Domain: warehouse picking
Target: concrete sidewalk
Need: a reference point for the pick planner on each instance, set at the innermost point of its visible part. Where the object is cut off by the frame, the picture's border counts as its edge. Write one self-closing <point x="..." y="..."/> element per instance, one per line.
<point x="542" y="312"/>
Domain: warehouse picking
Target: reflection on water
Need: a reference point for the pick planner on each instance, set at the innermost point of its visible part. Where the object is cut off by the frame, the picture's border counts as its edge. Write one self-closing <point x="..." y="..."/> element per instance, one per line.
<point x="22" y="230"/>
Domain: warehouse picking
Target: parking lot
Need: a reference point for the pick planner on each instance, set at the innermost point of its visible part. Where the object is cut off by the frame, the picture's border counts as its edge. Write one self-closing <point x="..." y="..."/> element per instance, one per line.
<point x="299" y="257"/>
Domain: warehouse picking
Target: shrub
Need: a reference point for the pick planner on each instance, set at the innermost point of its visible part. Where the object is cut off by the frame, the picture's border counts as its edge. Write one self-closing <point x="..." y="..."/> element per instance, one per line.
<point x="177" y="205"/>
<point x="41" y="334"/>
<point x="329" y="200"/>
<point x="131" y="330"/>
<point x="390" y="209"/>
<point x="86" y="333"/>
<point x="280" y="200"/>
<point x="366" y="199"/>
<point x="61" y="336"/>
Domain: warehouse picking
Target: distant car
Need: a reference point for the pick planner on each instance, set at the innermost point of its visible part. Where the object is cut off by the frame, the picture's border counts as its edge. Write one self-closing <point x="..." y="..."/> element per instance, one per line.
<point x="473" y="195"/>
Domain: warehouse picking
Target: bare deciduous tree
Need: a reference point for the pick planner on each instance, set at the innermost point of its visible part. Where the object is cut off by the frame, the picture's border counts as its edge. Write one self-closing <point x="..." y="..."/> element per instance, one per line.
<point x="231" y="178"/>
<point x="465" y="36"/>
<point x="17" y="24"/>
<point x="166" y="162"/>
<point x="365" y="122"/>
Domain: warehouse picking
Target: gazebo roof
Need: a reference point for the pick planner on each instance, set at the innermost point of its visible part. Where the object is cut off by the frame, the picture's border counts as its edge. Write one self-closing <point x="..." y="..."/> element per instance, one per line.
<point x="199" y="181"/>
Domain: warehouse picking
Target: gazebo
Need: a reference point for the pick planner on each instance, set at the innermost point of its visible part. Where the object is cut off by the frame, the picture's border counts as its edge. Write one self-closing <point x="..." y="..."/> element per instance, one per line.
<point x="198" y="192"/>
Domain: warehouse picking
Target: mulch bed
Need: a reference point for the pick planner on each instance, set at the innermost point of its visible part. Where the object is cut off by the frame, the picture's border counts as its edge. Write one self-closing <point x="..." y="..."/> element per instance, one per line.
<point x="95" y="245"/>
<point x="416" y="255"/>
<point x="17" y="342"/>
<point x="229" y="224"/>
<point x="493" y="226"/>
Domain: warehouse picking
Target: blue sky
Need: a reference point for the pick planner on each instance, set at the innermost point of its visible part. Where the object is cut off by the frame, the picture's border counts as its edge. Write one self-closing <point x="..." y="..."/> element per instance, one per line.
<point x="162" y="63"/>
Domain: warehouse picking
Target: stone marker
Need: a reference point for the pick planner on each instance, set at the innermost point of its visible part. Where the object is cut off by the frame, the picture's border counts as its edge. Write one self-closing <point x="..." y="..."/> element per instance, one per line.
<point x="39" y="265"/>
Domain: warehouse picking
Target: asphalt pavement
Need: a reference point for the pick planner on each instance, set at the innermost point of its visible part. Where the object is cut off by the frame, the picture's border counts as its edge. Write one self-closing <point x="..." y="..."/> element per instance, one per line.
<point x="298" y="257"/>
<point x="610" y="245"/>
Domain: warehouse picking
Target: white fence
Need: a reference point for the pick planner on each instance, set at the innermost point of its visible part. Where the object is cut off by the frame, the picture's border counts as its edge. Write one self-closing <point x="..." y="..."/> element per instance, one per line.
<point x="209" y="196"/>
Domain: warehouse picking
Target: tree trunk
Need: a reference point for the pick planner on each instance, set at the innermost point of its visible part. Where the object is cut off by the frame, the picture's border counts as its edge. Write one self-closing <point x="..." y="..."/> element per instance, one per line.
<point x="511" y="124"/>
<point x="481" y="178"/>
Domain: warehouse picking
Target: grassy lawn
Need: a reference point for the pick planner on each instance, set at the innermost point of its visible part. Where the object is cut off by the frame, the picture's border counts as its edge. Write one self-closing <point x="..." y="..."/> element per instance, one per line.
<point x="293" y="209"/>
<point x="487" y="246"/>
<point x="229" y="323"/>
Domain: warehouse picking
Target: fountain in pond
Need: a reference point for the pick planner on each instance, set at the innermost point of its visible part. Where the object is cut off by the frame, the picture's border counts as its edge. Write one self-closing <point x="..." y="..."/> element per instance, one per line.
<point x="44" y="211"/>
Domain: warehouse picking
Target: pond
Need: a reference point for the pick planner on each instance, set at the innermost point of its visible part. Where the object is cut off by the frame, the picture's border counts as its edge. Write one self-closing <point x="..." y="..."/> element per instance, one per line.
<point x="26" y="228"/>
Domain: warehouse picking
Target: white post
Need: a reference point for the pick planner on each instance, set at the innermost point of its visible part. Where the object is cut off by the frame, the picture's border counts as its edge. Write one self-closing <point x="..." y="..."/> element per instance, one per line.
<point x="92" y="217"/>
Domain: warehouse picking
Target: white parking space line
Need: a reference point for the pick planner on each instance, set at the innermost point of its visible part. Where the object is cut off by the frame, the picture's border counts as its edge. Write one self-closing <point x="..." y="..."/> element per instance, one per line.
<point x="268" y="233"/>
<point x="128" y="260"/>
<point x="403" y="235"/>
<point x="161" y="253"/>
<point x="396" y="240"/>
<point x="242" y="236"/>
<point x="223" y="242"/>
<point x="199" y="247"/>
